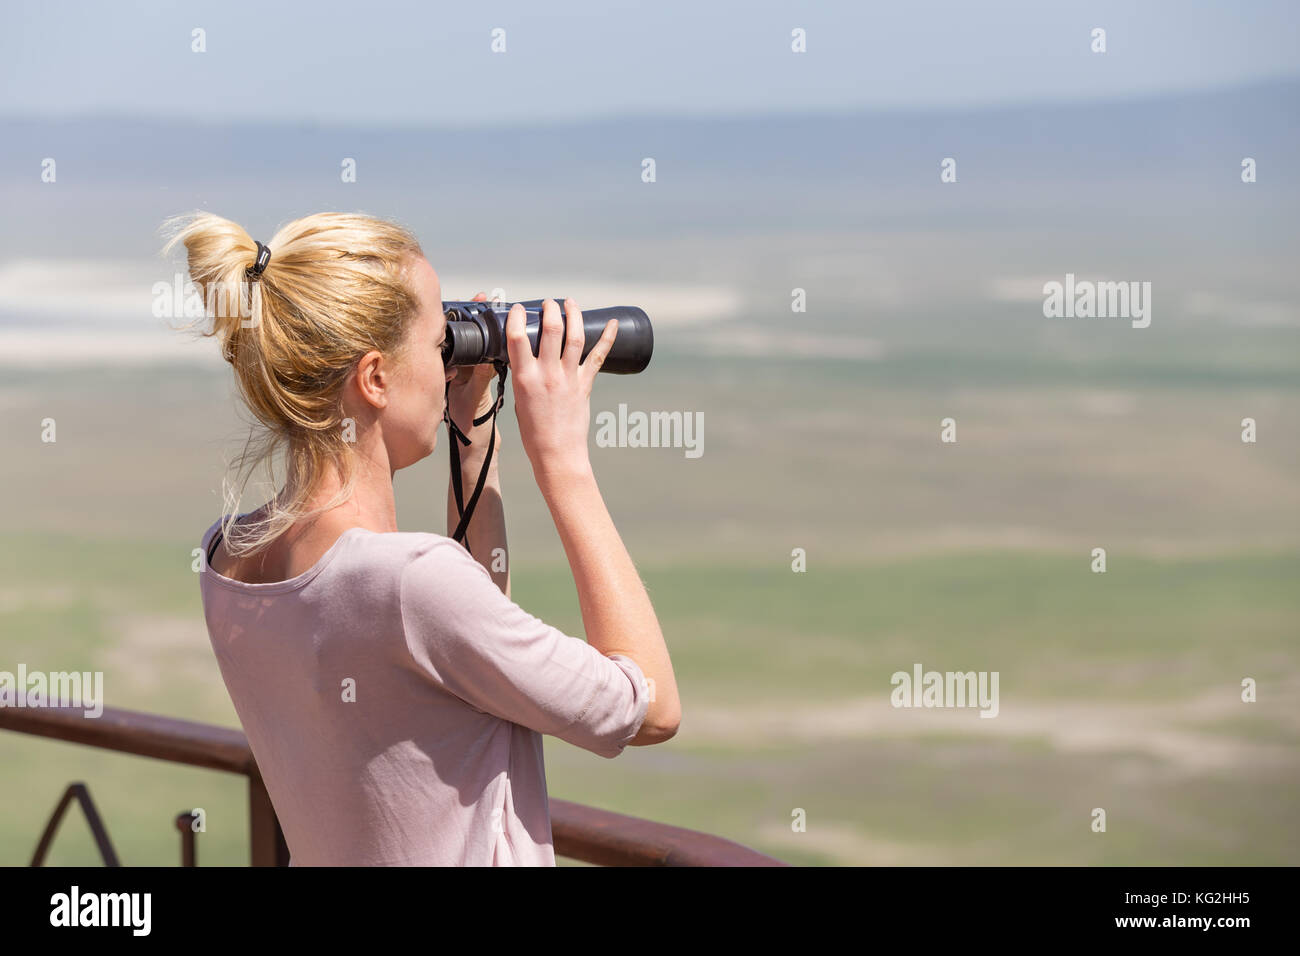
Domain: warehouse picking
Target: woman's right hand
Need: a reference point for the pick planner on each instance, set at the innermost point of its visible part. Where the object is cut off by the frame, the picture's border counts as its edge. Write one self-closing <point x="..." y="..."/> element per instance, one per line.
<point x="553" y="391"/>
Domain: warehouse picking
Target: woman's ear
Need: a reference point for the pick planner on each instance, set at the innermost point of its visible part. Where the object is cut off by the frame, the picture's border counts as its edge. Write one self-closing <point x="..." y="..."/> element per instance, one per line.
<point x="373" y="379"/>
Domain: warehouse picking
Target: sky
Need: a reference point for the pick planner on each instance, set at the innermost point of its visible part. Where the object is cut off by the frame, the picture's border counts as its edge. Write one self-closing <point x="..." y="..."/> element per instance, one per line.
<point x="384" y="62"/>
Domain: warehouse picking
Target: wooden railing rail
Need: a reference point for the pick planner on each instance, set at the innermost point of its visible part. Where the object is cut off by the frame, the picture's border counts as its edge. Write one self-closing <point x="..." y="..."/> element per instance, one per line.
<point x="579" y="832"/>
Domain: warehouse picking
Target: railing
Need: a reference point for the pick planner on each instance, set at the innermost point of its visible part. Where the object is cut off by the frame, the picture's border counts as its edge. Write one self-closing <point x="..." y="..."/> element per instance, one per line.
<point x="579" y="832"/>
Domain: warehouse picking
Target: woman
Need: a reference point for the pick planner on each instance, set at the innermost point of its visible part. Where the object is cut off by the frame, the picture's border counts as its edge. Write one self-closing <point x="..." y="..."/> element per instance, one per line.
<point x="392" y="693"/>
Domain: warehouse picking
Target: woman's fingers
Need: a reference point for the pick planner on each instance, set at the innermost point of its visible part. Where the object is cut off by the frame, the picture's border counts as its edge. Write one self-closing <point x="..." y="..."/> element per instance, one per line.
<point x="574" y="339"/>
<point x="600" y="351"/>
<point x="517" y="346"/>
<point x="548" y="350"/>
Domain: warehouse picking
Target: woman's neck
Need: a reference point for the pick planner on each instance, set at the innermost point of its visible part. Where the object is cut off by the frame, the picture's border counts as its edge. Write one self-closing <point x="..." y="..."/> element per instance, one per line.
<point x="371" y="504"/>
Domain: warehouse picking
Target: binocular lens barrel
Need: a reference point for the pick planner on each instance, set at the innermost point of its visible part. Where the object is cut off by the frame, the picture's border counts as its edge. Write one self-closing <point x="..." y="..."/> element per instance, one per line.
<point x="476" y="334"/>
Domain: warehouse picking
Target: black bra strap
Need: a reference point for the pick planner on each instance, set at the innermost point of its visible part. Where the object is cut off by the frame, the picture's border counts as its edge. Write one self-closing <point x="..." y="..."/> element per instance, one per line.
<point x="212" y="548"/>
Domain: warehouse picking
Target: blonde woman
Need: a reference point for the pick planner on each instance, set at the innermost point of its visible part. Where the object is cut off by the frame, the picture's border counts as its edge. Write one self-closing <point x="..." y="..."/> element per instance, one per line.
<point x="393" y="694"/>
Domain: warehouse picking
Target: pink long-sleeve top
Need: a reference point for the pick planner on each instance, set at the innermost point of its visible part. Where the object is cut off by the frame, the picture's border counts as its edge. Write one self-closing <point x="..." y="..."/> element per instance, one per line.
<point x="395" y="701"/>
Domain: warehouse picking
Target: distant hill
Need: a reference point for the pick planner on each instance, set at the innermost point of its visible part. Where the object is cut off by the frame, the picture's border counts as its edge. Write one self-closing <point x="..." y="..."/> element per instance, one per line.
<point x="1176" y="156"/>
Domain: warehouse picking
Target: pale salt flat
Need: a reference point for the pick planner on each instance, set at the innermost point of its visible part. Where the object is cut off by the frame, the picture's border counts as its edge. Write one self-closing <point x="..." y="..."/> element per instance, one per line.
<point x="78" y="312"/>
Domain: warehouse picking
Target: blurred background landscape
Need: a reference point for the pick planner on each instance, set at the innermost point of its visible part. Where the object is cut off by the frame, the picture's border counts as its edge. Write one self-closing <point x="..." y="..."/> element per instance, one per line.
<point x="821" y="429"/>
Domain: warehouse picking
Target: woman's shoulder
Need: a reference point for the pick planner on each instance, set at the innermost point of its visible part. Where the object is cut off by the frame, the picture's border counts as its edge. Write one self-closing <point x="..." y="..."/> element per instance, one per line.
<point x="400" y="551"/>
<point x="411" y="544"/>
<point x="371" y="555"/>
<point x="425" y="572"/>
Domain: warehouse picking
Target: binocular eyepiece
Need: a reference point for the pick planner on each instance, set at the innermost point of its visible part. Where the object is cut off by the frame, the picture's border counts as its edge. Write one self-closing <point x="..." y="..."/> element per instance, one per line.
<point x="476" y="334"/>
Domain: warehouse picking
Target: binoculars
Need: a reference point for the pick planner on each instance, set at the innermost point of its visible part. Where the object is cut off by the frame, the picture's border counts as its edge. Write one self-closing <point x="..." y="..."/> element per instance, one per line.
<point x="476" y="334"/>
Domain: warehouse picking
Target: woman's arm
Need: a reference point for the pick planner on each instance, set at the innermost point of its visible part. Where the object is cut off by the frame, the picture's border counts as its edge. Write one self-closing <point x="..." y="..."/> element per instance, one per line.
<point x="552" y="405"/>
<point x="468" y="398"/>
<point x="616" y="610"/>
<point x="486" y="535"/>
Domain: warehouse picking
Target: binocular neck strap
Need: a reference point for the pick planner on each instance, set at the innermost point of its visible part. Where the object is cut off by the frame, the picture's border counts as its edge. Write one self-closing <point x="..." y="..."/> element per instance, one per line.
<point x="459" y="438"/>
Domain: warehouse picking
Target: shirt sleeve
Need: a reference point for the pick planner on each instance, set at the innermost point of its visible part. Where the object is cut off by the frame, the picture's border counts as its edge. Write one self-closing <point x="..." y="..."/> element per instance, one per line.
<point x="466" y="636"/>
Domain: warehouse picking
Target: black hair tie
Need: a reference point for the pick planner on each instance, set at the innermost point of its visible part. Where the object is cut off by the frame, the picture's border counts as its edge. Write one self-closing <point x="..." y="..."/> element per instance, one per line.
<point x="255" y="271"/>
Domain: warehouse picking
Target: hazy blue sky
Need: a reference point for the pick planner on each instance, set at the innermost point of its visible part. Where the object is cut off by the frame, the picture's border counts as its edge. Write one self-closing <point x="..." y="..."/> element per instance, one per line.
<point x="387" y="62"/>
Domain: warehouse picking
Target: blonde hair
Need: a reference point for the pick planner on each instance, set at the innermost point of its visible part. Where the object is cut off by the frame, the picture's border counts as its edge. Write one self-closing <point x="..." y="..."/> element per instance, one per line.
<point x="336" y="287"/>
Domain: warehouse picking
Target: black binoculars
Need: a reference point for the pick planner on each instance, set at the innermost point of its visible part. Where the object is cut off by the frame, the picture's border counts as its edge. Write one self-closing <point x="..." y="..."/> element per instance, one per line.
<point x="476" y="333"/>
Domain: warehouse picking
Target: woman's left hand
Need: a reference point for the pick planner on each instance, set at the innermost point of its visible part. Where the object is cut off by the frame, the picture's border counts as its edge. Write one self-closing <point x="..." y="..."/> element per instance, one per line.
<point x="471" y="390"/>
